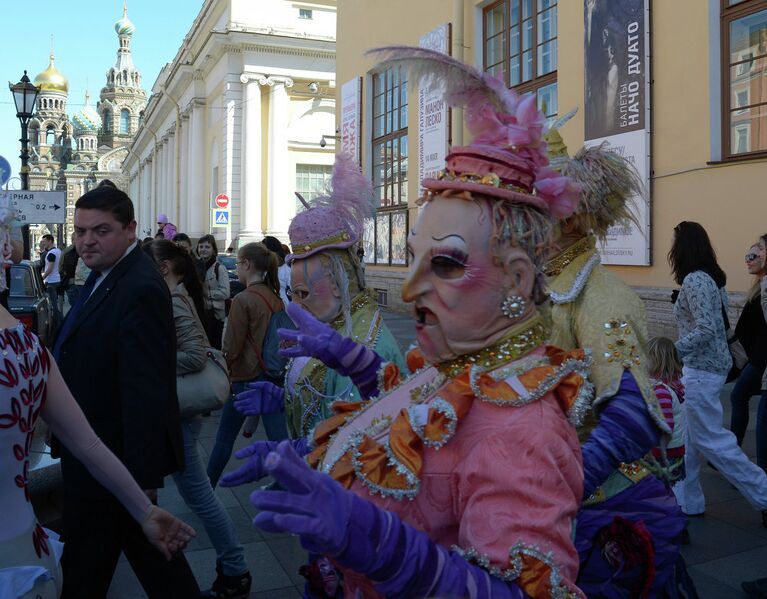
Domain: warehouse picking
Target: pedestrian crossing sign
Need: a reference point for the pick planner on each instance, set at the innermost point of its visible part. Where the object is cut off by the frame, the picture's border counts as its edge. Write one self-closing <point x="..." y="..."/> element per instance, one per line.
<point x="219" y="218"/>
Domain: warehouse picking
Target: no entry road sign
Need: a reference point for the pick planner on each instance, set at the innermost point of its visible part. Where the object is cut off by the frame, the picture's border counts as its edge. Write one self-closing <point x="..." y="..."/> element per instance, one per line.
<point x="222" y="200"/>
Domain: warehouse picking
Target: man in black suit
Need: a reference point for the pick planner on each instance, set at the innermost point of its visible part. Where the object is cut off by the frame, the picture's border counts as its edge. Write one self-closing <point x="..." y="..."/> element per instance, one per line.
<point x="117" y="352"/>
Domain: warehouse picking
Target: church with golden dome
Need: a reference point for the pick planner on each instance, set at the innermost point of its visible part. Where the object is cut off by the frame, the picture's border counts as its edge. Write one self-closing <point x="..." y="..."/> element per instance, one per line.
<point x="74" y="152"/>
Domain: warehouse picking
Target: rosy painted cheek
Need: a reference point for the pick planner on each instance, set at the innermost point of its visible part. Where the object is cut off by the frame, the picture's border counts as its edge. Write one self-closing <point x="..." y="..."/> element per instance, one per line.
<point x="477" y="276"/>
<point x="321" y="290"/>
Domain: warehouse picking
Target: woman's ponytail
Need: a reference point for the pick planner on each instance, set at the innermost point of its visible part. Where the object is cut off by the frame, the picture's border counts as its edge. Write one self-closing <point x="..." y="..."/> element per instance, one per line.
<point x="263" y="260"/>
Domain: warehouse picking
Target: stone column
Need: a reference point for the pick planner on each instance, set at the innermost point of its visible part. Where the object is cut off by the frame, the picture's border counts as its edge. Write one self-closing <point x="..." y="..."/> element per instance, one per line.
<point x="250" y="174"/>
<point x="281" y="203"/>
<point x="199" y="200"/>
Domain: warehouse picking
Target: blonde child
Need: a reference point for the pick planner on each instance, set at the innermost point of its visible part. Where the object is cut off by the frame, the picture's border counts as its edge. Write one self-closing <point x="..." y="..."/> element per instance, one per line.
<point x="665" y="370"/>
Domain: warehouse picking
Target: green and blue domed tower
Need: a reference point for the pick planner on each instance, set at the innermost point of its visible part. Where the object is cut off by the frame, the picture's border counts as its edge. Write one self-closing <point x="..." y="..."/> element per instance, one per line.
<point x="122" y="98"/>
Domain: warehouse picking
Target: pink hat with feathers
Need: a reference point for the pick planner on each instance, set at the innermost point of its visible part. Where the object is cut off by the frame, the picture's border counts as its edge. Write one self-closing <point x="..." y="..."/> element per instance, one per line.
<point x="333" y="220"/>
<point x="507" y="157"/>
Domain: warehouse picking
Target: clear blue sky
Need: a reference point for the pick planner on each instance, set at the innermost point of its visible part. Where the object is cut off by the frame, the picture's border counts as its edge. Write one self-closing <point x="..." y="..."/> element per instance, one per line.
<point x="85" y="44"/>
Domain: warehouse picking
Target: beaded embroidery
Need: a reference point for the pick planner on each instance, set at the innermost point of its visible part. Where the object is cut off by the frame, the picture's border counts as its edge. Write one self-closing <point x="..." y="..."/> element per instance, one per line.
<point x="514" y="346"/>
<point x="557" y="588"/>
<point x="558" y="263"/>
<point x="623" y="345"/>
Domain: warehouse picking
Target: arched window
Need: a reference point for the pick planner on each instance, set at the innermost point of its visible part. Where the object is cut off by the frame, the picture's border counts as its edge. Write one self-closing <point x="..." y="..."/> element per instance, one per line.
<point x="124" y="121"/>
<point x="107" y="121"/>
<point x="50" y="135"/>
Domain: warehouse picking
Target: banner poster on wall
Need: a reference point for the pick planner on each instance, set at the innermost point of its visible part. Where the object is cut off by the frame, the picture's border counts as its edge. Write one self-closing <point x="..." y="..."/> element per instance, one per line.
<point x="433" y="113"/>
<point x="350" y="117"/>
<point x="617" y="108"/>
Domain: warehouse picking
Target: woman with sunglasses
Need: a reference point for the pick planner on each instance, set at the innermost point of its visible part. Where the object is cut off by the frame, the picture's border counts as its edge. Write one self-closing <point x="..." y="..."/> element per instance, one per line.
<point x="751" y="331"/>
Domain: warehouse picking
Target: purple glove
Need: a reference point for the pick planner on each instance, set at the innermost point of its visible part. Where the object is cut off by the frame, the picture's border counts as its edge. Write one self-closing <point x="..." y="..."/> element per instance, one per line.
<point x="400" y="560"/>
<point x="253" y="470"/>
<point x="261" y="398"/>
<point x="319" y="340"/>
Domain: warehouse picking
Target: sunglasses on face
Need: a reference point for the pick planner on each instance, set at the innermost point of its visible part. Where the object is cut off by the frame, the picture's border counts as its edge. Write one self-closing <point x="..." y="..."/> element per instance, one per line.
<point x="751" y="257"/>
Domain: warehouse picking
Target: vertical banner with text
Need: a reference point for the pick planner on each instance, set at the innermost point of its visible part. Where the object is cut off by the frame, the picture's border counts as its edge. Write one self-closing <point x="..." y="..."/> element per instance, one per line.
<point x="350" y="117"/>
<point x="433" y="113"/>
<point x="617" y="108"/>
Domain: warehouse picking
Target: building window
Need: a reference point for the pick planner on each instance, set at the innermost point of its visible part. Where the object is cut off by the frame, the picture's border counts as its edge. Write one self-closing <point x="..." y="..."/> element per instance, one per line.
<point x="520" y="47"/>
<point x="386" y="234"/>
<point x="744" y="76"/>
<point x="107" y="121"/>
<point x="50" y="135"/>
<point x="304" y="13"/>
<point x="311" y="181"/>
<point x="125" y="121"/>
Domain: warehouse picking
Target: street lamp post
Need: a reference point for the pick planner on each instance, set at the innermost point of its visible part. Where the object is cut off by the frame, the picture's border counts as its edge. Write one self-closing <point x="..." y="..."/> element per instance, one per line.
<point x="24" y="97"/>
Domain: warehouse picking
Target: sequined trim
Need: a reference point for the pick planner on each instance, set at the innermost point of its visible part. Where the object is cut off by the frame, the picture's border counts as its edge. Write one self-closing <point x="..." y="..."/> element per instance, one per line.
<point x="558" y="263"/>
<point x="576" y="412"/>
<point x="557" y="587"/>
<point x="442" y="407"/>
<point x="580" y="282"/>
<point x="520" y="341"/>
<point x="414" y="483"/>
<point x="489" y="179"/>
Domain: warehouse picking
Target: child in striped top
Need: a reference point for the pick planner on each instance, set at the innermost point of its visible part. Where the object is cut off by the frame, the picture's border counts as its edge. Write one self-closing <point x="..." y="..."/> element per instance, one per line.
<point x="665" y="369"/>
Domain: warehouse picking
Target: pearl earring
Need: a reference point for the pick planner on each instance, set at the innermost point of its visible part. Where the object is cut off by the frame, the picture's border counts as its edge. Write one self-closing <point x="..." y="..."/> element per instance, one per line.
<point x="513" y="306"/>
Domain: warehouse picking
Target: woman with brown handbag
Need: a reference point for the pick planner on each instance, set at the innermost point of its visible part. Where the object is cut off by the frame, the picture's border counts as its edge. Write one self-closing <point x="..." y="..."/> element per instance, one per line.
<point x="177" y="268"/>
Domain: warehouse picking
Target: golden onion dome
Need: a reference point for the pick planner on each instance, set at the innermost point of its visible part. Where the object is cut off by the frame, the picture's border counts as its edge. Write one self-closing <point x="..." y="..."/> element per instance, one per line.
<point x="51" y="79"/>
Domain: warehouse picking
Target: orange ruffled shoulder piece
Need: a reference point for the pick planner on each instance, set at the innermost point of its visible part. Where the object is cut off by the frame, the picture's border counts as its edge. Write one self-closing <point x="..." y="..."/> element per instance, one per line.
<point x="392" y="468"/>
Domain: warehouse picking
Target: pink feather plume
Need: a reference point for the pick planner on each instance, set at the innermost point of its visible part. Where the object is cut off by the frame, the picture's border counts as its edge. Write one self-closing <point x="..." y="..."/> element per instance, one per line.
<point x="494" y="115"/>
<point x="348" y="191"/>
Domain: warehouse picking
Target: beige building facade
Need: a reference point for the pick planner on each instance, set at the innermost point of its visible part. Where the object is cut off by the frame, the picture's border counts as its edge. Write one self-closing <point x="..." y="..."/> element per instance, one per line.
<point x="241" y="112"/>
<point x="708" y="101"/>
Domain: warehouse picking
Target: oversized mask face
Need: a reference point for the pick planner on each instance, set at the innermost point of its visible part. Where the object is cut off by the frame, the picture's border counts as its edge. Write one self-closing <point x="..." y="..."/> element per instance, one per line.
<point x="314" y="288"/>
<point x="455" y="284"/>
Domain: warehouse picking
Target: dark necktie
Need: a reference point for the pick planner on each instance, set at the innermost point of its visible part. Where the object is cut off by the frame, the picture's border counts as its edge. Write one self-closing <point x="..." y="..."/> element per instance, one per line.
<point x="85" y="293"/>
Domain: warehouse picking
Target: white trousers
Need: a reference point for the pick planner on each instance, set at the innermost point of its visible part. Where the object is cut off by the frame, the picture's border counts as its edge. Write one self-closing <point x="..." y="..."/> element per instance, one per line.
<point x="707" y="439"/>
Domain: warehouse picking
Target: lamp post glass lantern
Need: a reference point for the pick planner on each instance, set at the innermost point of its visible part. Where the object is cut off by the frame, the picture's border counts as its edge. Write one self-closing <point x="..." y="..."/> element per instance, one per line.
<point x="24" y="97"/>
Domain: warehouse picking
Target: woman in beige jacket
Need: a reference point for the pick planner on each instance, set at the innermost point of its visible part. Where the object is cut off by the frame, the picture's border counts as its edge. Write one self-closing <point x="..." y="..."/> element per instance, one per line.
<point x="215" y="288"/>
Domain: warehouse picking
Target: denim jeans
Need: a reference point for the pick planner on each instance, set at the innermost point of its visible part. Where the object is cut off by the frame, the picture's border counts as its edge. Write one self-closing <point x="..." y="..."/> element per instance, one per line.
<point x="749" y="383"/>
<point x="53" y="295"/>
<point x="195" y="489"/>
<point x="229" y="427"/>
<point x="761" y="432"/>
<point x="707" y="439"/>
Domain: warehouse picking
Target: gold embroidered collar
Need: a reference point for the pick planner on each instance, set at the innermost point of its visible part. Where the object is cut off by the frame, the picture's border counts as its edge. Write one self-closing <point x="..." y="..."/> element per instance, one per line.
<point x="558" y="263"/>
<point x="521" y="339"/>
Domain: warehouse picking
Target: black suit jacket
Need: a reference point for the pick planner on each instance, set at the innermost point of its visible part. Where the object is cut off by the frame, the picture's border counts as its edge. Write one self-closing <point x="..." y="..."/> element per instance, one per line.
<point x="119" y="361"/>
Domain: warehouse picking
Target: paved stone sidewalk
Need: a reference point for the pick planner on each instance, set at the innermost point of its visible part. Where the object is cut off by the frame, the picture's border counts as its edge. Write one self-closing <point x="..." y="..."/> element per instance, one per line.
<point x="727" y="546"/>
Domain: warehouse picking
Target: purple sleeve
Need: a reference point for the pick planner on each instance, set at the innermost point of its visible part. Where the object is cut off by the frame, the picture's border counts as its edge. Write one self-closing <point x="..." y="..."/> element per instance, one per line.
<point x="404" y="562"/>
<point x="625" y="432"/>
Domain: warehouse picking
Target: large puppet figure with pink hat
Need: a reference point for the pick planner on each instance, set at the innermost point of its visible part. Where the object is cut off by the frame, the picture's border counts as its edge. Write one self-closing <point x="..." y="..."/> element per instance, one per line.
<point x="328" y="290"/>
<point x="463" y="479"/>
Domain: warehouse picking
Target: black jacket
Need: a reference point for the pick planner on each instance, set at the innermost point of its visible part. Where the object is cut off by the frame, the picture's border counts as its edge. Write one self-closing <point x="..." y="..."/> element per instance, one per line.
<point x="751" y="331"/>
<point x="119" y="361"/>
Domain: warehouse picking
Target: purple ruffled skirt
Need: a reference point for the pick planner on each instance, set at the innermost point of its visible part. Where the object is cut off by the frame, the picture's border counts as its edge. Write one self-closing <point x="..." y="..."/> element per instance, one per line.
<point x="628" y="546"/>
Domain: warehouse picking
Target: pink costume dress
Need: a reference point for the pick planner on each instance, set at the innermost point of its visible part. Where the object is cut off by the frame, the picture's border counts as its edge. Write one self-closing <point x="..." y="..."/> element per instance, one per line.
<point x="29" y="554"/>
<point x="484" y="460"/>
